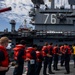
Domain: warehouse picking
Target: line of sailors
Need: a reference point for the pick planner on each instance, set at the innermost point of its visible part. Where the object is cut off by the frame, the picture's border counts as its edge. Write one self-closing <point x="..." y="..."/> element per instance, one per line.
<point x="47" y="54"/>
<point x="35" y="56"/>
<point x="51" y="53"/>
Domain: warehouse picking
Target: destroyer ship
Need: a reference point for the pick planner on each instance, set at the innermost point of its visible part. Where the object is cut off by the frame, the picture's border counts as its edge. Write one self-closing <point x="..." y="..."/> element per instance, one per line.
<point x="56" y="25"/>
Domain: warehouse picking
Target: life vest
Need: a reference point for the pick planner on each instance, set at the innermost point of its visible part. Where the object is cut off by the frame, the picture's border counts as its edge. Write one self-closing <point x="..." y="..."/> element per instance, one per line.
<point x="17" y="49"/>
<point x="28" y="53"/>
<point x="55" y="50"/>
<point x="62" y="49"/>
<point x="38" y="54"/>
<point x="50" y="49"/>
<point x="43" y="51"/>
<point x="5" y="62"/>
<point x="73" y="49"/>
<point x="68" y="49"/>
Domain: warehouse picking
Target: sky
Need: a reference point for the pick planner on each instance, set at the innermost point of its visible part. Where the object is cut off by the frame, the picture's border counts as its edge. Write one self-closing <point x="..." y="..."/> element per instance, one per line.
<point x="19" y="12"/>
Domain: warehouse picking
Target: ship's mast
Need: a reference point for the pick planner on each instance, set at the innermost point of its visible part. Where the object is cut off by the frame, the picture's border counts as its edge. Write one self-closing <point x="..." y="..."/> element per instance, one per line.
<point x="52" y="4"/>
<point x="24" y="24"/>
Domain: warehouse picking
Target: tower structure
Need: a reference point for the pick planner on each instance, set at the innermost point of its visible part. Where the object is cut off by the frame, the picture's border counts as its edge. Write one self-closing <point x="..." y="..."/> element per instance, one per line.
<point x="13" y="23"/>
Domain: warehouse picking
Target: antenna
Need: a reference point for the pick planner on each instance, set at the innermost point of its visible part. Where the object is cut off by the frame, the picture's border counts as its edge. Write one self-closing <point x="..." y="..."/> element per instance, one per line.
<point x="24" y="24"/>
<point x="52" y="4"/>
<point x="61" y="3"/>
<point x="64" y="3"/>
<point x="57" y="3"/>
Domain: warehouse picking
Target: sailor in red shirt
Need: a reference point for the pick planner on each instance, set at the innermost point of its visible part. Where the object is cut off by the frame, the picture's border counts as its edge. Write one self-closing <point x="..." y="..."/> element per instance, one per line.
<point x="67" y="50"/>
<point x="4" y="58"/>
<point x="50" y="49"/>
<point x="39" y="59"/>
<point x="19" y="57"/>
<point x="56" y="57"/>
<point x="46" y="55"/>
<point x="31" y="58"/>
<point x="62" y="55"/>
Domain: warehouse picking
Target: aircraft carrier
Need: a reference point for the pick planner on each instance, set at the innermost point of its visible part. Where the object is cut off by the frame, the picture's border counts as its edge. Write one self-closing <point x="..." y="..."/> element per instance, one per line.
<point x="55" y="25"/>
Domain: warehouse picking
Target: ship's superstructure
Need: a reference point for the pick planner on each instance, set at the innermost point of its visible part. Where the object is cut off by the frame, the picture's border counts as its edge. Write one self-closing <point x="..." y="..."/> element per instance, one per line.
<point x="55" y="25"/>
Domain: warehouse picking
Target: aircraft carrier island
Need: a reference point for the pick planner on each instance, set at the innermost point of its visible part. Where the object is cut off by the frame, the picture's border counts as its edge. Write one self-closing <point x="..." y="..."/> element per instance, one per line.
<point x="55" y="25"/>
